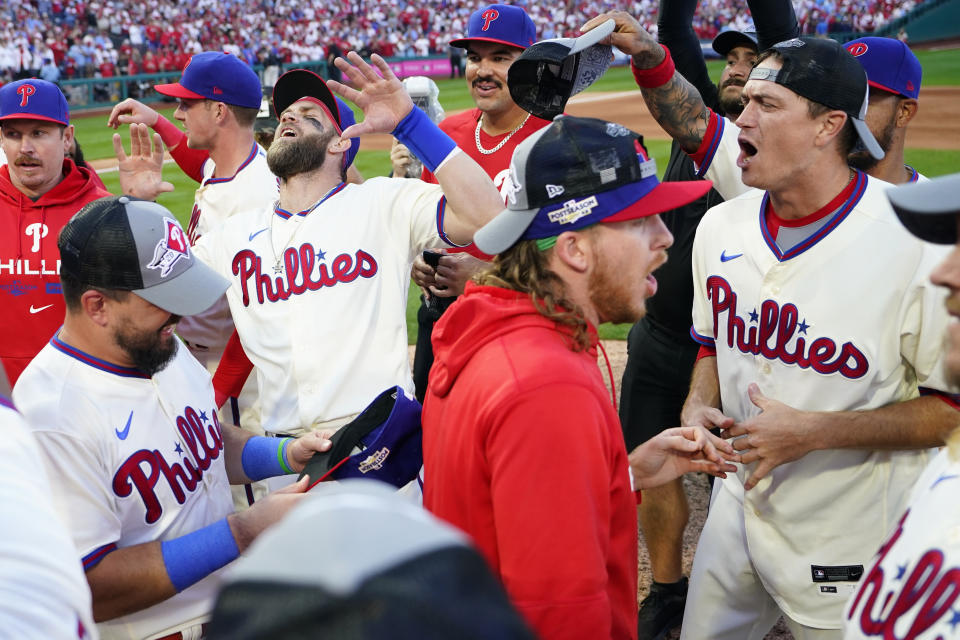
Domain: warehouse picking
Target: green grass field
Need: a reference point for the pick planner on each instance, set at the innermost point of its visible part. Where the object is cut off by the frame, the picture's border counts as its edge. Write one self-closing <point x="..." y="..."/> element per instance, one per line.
<point x="940" y="68"/>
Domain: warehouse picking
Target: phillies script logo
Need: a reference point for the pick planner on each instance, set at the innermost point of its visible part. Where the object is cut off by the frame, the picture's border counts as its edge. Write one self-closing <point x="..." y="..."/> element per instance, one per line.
<point x="295" y="277"/>
<point x="488" y="16"/>
<point x="930" y="585"/>
<point x="857" y="49"/>
<point x="776" y="327"/>
<point x="25" y="91"/>
<point x="143" y="469"/>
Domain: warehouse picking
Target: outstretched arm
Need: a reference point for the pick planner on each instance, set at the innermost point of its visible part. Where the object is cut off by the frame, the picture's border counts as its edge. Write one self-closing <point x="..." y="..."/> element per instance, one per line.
<point x="471" y="197"/>
<point x="775" y="21"/>
<point x="675" y="103"/>
<point x="132" y="111"/>
<point x="675" y="31"/>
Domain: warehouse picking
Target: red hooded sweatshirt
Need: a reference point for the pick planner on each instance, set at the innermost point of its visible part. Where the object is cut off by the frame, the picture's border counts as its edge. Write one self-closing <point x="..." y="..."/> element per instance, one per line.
<point x="523" y="451"/>
<point x="32" y="305"/>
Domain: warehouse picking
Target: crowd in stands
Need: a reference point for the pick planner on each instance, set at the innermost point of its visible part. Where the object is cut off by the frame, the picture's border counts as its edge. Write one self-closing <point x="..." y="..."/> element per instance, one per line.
<point x="58" y="39"/>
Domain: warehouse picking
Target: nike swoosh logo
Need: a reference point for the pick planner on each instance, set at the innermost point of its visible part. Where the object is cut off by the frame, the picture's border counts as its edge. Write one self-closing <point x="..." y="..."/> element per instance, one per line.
<point x="254" y="235"/>
<point x="126" y="429"/>
<point x="725" y="258"/>
<point x="34" y="309"/>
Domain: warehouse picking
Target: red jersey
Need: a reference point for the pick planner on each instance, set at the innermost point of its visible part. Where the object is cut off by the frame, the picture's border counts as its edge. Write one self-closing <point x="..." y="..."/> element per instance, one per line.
<point x="33" y="307"/>
<point x="462" y="128"/>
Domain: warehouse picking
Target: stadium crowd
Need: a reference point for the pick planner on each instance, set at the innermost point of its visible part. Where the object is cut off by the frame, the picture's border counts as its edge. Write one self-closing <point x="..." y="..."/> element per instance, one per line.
<point x="56" y="39"/>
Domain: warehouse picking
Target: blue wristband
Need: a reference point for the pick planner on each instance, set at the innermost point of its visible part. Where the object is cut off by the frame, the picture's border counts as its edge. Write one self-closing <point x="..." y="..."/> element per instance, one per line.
<point x="264" y="457"/>
<point x="191" y="558"/>
<point x="425" y="139"/>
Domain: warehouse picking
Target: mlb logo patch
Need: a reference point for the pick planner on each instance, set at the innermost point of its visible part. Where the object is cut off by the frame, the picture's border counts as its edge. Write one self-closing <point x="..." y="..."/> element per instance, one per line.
<point x="170" y="249"/>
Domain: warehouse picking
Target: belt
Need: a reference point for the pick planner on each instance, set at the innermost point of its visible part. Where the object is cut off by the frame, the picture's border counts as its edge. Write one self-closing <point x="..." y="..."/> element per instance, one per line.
<point x="179" y="635"/>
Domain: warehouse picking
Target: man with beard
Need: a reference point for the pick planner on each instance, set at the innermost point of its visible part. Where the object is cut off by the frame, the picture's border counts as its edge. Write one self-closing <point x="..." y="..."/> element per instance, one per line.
<point x="128" y="430"/>
<point x="660" y="353"/>
<point x="533" y="467"/>
<point x="894" y="75"/>
<point x="918" y="567"/>
<point x="319" y="282"/>
<point x="820" y="385"/>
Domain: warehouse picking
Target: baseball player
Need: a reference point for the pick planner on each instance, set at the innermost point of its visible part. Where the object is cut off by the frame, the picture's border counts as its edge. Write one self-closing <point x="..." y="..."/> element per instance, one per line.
<point x="218" y="100"/>
<point x="564" y="544"/>
<point x="39" y="191"/>
<point x="821" y="390"/>
<point x="318" y="282"/>
<point x="128" y="430"/>
<point x="660" y="353"/>
<point x="44" y="592"/>
<point x="911" y="587"/>
<point x="496" y="36"/>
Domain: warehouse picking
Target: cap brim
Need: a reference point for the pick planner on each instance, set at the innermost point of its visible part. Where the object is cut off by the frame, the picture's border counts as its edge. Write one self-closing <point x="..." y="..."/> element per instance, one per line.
<point x="866" y="137"/>
<point x="929" y="210"/>
<point x="177" y="90"/>
<point x="463" y="43"/>
<point x="30" y="116"/>
<point x="504" y="230"/>
<point x="593" y="36"/>
<point x="509" y="225"/>
<point x="664" y="197"/>
<point x="297" y="84"/>
<point x="192" y="292"/>
<point x="729" y="40"/>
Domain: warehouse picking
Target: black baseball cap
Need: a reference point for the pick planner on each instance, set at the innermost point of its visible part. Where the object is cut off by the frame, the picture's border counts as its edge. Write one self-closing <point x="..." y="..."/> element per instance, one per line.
<point x="299" y="84"/>
<point x="821" y="70"/>
<point x="134" y="245"/>
<point x="578" y="172"/>
<point x="547" y="73"/>
<point x="732" y="39"/>
<point x="929" y="209"/>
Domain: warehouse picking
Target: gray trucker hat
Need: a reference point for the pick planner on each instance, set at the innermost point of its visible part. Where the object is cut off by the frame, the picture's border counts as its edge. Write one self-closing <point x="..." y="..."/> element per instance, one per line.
<point x="134" y="245"/>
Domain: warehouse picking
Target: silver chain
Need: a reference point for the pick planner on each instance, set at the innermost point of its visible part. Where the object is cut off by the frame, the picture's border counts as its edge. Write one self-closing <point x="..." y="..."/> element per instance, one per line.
<point x="487" y="152"/>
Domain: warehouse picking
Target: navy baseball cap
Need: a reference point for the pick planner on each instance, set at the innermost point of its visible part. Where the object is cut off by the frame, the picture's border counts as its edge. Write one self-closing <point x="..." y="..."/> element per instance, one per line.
<point x="822" y="71"/>
<point x="34" y="99"/>
<point x="500" y="23"/>
<point x="213" y="75"/>
<point x="123" y="243"/>
<point x="548" y="72"/>
<point x="383" y="443"/>
<point x="731" y="39"/>
<point x="578" y="172"/>
<point x="889" y="63"/>
<point x="929" y="209"/>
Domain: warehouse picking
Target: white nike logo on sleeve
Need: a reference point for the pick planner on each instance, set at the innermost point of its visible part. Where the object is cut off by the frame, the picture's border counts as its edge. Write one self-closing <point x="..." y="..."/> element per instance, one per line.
<point x="34" y="309"/>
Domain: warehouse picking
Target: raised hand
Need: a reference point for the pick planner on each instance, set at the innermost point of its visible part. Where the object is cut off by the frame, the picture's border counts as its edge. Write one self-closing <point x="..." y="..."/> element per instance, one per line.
<point x="141" y="172"/>
<point x="381" y="96"/>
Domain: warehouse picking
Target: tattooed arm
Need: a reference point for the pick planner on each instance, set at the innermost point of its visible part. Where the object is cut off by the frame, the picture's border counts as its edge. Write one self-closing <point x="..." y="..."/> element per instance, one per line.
<point x="676" y="105"/>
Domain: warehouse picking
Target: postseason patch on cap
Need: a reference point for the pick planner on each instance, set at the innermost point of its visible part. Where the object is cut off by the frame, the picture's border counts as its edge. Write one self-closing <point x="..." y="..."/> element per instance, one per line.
<point x="171" y="248"/>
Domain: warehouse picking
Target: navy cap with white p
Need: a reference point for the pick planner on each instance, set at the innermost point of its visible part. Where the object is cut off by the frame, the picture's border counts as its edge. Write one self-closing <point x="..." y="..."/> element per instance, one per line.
<point x="33" y="99"/>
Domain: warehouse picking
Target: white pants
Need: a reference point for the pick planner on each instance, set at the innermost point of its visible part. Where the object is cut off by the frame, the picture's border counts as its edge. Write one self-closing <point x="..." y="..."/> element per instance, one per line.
<point x="726" y="600"/>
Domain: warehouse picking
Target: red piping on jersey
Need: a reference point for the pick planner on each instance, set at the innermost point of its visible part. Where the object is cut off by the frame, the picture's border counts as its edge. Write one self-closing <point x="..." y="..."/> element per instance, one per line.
<point x="93" y="558"/>
<point x="286" y="215"/>
<point x="851" y="195"/>
<point x="96" y="363"/>
<point x="703" y="156"/>
<point x="253" y="154"/>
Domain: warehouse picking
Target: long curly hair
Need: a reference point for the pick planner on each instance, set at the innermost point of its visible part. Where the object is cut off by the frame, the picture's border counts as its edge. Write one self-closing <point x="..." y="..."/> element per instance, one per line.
<point x="524" y="267"/>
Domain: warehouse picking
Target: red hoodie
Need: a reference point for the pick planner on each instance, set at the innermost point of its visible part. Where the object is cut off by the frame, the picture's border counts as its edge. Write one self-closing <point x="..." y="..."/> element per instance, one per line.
<point x="32" y="305"/>
<point x="523" y="451"/>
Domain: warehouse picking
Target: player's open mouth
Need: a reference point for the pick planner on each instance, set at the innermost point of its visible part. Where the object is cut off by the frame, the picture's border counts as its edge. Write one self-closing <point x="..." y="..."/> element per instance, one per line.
<point x="747" y="151"/>
<point x="485" y="86"/>
<point x="287" y="132"/>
